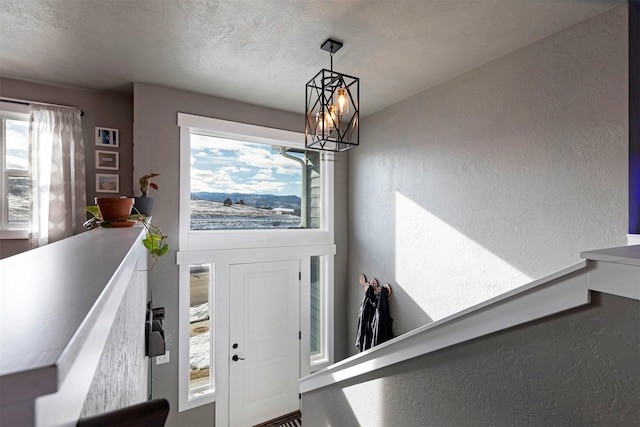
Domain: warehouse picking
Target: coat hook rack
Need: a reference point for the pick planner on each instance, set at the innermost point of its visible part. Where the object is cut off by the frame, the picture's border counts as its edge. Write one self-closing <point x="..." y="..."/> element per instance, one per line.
<point x="387" y="287"/>
<point x="362" y="279"/>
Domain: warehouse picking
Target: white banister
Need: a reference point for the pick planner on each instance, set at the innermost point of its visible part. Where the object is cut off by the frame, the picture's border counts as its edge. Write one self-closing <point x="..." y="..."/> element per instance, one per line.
<point x="615" y="271"/>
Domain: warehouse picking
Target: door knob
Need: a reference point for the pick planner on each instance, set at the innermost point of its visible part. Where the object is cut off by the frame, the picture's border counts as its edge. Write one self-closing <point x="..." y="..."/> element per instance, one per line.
<point x="235" y="358"/>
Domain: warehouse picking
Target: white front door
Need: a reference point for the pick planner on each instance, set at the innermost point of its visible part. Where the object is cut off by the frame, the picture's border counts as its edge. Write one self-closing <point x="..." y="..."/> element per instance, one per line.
<point x="264" y="340"/>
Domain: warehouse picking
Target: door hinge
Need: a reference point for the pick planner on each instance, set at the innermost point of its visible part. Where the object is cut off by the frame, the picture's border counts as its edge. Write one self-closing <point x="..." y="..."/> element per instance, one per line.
<point x="299" y="396"/>
<point x="299" y="335"/>
<point x="299" y="275"/>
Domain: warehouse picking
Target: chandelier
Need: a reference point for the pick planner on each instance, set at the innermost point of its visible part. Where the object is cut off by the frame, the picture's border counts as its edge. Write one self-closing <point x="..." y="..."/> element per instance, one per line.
<point x="332" y="102"/>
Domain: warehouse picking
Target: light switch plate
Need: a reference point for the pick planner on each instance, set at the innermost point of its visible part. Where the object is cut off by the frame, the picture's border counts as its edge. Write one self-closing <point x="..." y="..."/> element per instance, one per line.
<point x="162" y="359"/>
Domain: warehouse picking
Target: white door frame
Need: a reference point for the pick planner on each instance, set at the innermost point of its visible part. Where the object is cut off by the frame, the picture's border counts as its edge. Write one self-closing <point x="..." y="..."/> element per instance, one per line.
<point x="221" y="260"/>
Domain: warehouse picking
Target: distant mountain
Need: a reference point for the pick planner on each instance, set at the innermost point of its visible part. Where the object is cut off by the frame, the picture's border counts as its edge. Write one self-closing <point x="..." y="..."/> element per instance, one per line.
<point x="256" y="200"/>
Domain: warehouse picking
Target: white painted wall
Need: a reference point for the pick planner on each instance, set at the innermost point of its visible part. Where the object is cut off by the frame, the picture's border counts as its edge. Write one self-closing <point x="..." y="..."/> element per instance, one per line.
<point x="499" y="176"/>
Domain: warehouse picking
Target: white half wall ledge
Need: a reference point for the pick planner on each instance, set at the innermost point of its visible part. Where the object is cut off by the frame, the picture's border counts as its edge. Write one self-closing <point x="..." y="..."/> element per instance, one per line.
<point x="79" y="283"/>
<point x="614" y="270"/>
<point x="629" y="255"/>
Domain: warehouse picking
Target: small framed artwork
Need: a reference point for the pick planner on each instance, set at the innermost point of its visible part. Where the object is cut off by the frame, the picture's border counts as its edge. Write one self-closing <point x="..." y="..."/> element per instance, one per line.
<point x="106" y="137"/>
<point x="107" y="183"/>
<point x="107" y="160"/>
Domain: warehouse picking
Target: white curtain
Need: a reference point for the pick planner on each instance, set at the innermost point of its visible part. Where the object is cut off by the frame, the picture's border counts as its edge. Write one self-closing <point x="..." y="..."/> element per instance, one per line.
<point x="57" y="173"/>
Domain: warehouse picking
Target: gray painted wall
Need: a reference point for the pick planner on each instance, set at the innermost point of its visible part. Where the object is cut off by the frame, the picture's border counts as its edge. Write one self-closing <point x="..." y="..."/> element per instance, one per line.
<point x="156" y="136"/>
<point x="574" y="369"/>
<point x="499" y="176"/>
<point x="100" y="109"/>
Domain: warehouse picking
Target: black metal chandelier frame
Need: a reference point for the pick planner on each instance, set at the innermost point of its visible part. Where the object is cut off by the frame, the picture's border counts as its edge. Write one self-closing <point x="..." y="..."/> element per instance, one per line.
<point x="330" y="127"/>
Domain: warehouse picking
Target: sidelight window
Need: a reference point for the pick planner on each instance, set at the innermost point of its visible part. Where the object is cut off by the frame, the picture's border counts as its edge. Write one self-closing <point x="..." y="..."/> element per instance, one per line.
<point x="200" y="330"/>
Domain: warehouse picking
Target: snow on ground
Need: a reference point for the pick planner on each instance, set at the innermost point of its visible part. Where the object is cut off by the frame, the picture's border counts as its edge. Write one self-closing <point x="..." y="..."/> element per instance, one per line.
<point x="207" y="215"/>
<point x="199" y="345"/>
<point x="199" y="312"/>
<point x="199" y="351"/>
<point x="18" y="200"/>
<point x="206" y="208"/>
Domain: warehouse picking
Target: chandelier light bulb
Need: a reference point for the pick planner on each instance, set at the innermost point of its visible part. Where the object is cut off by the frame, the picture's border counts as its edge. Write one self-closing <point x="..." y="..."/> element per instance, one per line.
<point x="343" y="101"/>
<point x="324" y="123"/>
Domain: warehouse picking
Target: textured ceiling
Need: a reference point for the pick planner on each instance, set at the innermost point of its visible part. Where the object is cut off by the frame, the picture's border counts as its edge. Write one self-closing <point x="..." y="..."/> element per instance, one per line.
<point x="264" y="51"/>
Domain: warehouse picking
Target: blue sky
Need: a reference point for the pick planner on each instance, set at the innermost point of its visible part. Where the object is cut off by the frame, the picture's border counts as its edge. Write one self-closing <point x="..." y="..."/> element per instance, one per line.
<point x="17" y="140"/>
<point x="226" y="166"/>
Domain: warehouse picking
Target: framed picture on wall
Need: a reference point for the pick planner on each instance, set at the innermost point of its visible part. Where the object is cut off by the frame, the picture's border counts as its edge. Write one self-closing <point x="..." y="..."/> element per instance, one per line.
<point x="107" y="183"/>
<point x="107" y="160"/>
<point x="106" y="137"/>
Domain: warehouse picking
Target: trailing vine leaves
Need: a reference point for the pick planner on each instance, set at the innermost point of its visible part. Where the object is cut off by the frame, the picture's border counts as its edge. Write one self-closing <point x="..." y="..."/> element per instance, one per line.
<point x="154" y="240"/>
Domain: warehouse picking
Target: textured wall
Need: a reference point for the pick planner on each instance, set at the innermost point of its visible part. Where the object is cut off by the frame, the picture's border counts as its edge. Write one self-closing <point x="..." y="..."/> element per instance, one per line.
<point x="121" y="378"/>
<point x="500" y="175"/>
<point x="574" y="369"/>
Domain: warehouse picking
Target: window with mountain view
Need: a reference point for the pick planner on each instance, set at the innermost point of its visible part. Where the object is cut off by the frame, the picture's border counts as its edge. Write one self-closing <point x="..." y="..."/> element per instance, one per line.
<point x="240" y="185"/>
<point x="14" y="144"/>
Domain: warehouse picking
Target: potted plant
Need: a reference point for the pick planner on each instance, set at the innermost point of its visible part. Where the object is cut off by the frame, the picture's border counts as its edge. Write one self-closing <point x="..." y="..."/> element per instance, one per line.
<point x="154" y="240"/>
<point x="115" y="209"/>
<point x="143" y="204"/>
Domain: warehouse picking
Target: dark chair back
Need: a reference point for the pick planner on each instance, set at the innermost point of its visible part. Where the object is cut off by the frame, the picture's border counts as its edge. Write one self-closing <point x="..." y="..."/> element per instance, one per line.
<point x="152" y="413"/>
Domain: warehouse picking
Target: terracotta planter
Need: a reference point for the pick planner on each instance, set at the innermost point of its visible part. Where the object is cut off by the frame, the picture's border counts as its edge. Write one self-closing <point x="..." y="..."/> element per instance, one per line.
<point x="114" y="208"/>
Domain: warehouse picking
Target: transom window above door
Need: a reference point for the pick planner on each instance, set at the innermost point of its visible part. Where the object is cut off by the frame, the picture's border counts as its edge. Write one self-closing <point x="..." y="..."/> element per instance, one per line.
<point x="242" y="185"/>
<point x="245" y="186"/>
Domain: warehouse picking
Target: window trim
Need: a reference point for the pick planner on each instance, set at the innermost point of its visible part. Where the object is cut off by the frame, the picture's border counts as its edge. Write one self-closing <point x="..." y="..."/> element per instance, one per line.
<point x="325" y="357"/>
<point x="238" y="239"/>
<point x="187" y="398"/>
<point x="9" y="110"/>
<point x="221" y="248"/>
